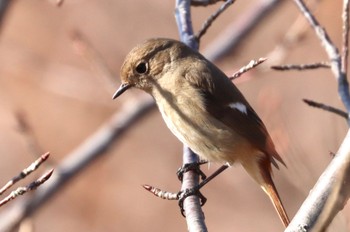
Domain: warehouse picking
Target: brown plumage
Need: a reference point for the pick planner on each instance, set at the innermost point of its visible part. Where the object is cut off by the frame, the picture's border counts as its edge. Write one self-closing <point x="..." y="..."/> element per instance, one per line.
<point x="203" y="109"/>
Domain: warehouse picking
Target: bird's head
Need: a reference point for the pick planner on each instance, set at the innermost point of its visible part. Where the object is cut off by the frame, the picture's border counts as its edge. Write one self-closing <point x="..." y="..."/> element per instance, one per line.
<point x="148" y="62"/>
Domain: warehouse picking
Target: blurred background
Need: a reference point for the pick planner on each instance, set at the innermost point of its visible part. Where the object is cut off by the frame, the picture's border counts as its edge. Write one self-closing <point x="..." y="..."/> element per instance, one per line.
<point x="59" y="69"/>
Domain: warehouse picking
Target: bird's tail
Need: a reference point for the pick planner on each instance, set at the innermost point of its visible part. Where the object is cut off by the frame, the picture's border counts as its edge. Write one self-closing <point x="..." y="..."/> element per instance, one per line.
<point x="260" y="170"/>
<point x="270" y="189"/>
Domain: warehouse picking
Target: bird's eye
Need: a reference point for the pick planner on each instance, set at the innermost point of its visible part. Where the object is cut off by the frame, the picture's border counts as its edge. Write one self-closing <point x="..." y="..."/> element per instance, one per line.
<point x="141" y="68"/>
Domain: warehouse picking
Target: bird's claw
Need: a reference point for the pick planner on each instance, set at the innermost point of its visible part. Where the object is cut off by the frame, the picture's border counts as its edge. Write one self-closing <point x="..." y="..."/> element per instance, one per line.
<point x="182" y="195"/>
<point x="191" y="166"/>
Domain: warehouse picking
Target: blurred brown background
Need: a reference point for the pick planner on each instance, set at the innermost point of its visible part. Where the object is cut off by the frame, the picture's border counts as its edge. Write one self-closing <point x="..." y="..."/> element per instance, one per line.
<point x="64" y="98"/>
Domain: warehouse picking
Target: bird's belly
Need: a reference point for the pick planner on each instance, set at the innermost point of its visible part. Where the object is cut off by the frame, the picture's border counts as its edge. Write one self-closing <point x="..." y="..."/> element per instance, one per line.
<point x="212" y="141"/>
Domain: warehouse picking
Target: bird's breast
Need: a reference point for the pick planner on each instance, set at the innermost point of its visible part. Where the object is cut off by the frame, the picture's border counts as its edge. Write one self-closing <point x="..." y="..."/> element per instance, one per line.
<point x="185" y="115"/>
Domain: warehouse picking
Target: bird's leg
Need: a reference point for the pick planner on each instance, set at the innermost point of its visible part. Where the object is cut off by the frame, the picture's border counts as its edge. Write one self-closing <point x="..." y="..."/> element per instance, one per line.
<point x="191" y="166"/>
<point x="182" y="195"/>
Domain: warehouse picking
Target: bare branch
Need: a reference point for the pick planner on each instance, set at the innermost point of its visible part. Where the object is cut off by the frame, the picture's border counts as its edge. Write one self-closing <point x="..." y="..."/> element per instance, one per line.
<point x="184" y="23"/>
<point x="193" y="210"/>
<point x="234" y="33"/>
<point x="252" y="64"/>
<point x="327" y="108"/>
<point x="161" y="193"/>
<point x="25" y="172"/>
<point x="345" y="50"/>
<point x="301" y="67"/>
<point x="192" y="205"/>
<point x="23" y="190"/>
<point x="212" y="18"/>
<point x="332" y="52"/>
<point x="328" y="196"/>
<point x="204" y="2"/>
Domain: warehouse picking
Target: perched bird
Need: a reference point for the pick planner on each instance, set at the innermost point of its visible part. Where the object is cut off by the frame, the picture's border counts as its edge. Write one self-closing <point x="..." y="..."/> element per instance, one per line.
<point x="203" y="109"/>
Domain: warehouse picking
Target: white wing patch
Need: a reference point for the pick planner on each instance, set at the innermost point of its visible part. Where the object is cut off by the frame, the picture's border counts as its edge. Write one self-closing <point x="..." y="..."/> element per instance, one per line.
<point x="239" y="106"/>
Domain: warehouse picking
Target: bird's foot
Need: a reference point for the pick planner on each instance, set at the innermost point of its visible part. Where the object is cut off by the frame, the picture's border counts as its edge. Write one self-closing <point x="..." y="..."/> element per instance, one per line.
<point x="182" y="195"/>
<point x="191" y="166"/>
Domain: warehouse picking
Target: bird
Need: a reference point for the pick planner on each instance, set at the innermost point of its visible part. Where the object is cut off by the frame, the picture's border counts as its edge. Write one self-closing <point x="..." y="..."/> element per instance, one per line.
<point x="203" y="109"/>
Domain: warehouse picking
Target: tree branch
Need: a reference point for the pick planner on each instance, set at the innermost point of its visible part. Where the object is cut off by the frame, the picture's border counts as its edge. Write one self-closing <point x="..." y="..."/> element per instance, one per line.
<point x="331" y="191"/>
<point x="212" y="18"/>
<point x="328" y="196"/>
<point x="233" y="34"/>
<point x="332" y="52"/>
<point x="192" y="207"/>
<point x="300" y="67"/>
<point x="327" y="108"/>
<point x="345" y="46"/>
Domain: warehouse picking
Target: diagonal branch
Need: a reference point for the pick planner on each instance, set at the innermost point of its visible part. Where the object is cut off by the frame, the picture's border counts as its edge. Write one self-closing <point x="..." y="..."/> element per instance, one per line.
<point x="25" y="172"/>
<point x="332" y="52"/>
<point x="204" y="2"/>
<point x="328" y="196"/>
<point x="327" y="108"/>
<point x="212" y="18"/>
<point x="252" y="64"/>
<point x="239" y="29"/>
<point x="345" y="50"/>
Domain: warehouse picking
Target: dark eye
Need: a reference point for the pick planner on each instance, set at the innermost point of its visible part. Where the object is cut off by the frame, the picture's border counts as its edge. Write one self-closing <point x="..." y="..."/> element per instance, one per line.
<point x="141" y="68"/>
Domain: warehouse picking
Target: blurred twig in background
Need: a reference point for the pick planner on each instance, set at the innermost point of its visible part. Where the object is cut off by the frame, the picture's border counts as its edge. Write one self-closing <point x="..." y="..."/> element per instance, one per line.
<point x="84" y="49"/>
<point x="95" y="146"/>
<point x="27" y="131"/>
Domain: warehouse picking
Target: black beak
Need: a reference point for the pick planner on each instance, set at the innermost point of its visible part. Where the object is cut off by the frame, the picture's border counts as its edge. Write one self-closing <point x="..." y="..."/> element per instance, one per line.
<point x="123" y="87"/>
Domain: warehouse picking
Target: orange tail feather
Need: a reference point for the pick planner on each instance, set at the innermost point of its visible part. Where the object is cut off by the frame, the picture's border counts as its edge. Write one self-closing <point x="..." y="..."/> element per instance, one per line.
<point x="271" y="191"/>
<point x="269" y="188"/>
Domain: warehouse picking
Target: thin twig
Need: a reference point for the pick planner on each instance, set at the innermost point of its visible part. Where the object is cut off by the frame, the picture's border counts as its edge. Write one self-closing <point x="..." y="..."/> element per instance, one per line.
<point x="212" y="18"/>
<point x="204" y="2"/>
<point x="332" y="52"/>
<point x="166" y="195"/>
<point x="345" y="46"/>
<point x="25" y="172"/>
<point x="240" y="28"/>
<point x="252" y="64"/>
<point x="327" y="108"/>
<point x="23" y="190"/>
<point x="301" y="67"/>
<point x="331" y="192"/>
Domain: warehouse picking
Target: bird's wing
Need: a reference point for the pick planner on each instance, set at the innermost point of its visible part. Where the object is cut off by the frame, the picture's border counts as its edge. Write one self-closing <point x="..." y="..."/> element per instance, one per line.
<point x="226" y="103"/>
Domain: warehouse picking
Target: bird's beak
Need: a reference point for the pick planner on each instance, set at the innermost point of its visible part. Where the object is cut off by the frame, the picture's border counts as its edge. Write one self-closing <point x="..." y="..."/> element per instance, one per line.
<point x="123" y="87"/>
